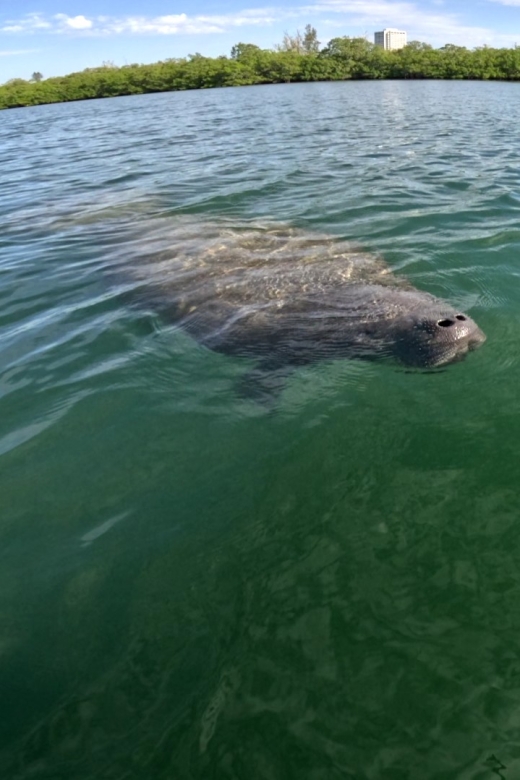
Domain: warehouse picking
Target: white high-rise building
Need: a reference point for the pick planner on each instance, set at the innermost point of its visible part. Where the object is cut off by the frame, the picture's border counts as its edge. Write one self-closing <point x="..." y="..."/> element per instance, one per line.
<point x="390" y="38"/>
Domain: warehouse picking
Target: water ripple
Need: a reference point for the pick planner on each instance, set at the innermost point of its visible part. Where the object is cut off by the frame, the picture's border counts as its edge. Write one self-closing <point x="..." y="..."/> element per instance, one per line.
<point x="327" y="588"/>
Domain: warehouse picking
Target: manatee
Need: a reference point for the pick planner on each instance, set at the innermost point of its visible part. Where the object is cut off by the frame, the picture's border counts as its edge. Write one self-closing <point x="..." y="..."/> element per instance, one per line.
<point x="286" y="298"/>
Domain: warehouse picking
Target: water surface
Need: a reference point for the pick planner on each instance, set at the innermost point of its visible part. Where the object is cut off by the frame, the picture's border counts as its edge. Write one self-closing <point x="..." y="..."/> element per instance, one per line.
<point x="192" y="586"/>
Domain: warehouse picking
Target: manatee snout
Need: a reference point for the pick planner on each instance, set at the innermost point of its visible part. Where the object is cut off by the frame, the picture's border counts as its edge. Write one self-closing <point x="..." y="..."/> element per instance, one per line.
<point x="435" y="337"/>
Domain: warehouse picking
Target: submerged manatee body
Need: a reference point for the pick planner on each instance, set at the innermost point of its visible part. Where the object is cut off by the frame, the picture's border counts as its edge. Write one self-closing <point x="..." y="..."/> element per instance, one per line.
<point x="288" y="297"/>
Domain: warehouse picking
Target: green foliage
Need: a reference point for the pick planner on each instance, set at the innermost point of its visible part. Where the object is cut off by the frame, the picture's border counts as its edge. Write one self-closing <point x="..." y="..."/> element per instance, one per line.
<point x="244" y="52"/>
<point x="298" y="58"/>
<point x="356" y="58"/>
<point x="419" y="46"/>
<point x="307" y="43"/>
<point x="311" y="44"/>
<point x="348" y="48"/>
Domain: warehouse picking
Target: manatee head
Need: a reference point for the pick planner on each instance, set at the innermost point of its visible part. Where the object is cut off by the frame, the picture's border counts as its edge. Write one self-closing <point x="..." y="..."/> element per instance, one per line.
<point x="434" y="334"/>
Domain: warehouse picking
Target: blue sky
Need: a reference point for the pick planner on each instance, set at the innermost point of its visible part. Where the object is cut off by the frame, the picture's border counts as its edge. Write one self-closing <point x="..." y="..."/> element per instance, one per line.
<point x="60" y="36"/>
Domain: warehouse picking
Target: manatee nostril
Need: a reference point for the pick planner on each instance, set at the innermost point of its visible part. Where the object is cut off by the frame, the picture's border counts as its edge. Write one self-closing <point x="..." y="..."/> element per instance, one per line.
<point x="446" y="323"/>
<point x="460" y="317"/>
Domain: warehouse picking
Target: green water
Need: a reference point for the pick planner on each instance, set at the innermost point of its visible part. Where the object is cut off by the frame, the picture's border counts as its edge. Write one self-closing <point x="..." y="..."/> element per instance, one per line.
<point x="193" y="586"/>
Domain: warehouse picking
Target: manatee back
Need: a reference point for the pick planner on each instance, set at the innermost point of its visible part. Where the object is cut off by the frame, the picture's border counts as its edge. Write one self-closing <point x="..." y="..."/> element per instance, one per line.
<point x="290" y="297"/>
<point x="204" y="266"/>
<point x="270" y="290"/>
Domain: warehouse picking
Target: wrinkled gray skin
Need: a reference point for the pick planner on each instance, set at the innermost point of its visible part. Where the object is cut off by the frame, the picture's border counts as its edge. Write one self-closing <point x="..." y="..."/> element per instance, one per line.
<point x="290" y="298"/>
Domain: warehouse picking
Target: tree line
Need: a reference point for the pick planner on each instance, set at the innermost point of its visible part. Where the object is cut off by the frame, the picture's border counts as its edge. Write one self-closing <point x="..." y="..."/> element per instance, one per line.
<point x="298" y="58"/>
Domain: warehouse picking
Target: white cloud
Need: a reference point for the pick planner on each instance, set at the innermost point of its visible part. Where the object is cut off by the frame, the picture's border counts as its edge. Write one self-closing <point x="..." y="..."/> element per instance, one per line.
<point x="258" y="16"/>
<point x="174" y="24"/>
<point x="171" y="24"/>
<point x="16" y="52"/>
<point x="182" y="24"/>
<point x="354" y="17"/>
<point x="29" y="23"/>
<point x="74" y="22"/>
<point x="37" y="22"/>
